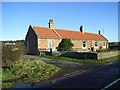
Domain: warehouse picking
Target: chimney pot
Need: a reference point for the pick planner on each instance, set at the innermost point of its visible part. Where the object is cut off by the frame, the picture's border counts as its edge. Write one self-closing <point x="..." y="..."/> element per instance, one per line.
<point x="51" y="24"/>
<point x="82" y="29"/>
<point x="99" y="32"/>
<point x="51" y="20"/>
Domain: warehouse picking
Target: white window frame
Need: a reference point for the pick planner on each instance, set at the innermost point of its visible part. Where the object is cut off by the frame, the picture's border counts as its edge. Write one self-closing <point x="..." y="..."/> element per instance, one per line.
<point x="95" y="44"/>
<point x="85" y="45"/>
<point x="104" y="44"/>
<point x="50" y="42"/>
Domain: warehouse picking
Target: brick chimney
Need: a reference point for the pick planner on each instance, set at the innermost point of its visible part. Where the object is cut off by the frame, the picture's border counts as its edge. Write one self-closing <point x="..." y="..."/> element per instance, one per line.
<point x="99" y="32"/>
<point x="51" y="24"/>
<point x="82" y="29"/>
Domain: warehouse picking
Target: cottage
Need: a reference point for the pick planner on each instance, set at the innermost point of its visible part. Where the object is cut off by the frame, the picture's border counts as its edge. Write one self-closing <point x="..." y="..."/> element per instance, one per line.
<point x="42" y="38"/>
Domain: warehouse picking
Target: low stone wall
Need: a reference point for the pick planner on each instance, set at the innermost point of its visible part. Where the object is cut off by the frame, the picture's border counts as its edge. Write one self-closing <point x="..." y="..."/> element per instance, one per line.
<point x="107" y="54"/>
<point x="80" y="55"/>
<point x="87" y="55"/>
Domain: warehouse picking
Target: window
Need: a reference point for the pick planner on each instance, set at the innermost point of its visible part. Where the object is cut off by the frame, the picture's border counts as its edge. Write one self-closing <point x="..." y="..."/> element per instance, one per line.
<point x="50" y="44"/>
<point x="104" y="44"/>
<point x="84" y="44"/>
<point x="96" y="44"/>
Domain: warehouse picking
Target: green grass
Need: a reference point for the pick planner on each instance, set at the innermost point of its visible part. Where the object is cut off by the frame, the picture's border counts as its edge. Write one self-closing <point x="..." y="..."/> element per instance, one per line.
<point x="87" y="61"/>
<point x="30" y="71"/>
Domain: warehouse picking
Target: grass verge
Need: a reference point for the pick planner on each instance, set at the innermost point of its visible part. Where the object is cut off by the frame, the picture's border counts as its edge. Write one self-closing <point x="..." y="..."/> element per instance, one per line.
<point x="29" y="71"/>
<point x="87" y="64"/>
<point x="87" y="61"/>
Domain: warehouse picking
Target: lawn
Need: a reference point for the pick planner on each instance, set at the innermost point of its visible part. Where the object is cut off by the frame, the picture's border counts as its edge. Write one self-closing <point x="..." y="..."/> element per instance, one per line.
<point x="27" y="71"/>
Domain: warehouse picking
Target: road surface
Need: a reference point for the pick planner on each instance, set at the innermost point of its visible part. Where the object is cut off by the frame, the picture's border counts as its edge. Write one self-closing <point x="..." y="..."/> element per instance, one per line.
<point x="97" y="78"/>
<point x="104" y="77"/>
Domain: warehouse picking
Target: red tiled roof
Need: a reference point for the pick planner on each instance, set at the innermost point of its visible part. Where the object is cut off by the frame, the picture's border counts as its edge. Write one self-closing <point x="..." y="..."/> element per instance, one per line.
<point x="79" y="35"/>
<point x="44" y="32"/>
<point x="49" y="33"/>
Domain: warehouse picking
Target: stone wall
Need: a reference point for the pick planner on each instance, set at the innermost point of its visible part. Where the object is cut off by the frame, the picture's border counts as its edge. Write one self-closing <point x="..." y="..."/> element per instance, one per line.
<point x="79" y="55"/>
<point x="107" y="54"/>
<point x="87" y="55"/>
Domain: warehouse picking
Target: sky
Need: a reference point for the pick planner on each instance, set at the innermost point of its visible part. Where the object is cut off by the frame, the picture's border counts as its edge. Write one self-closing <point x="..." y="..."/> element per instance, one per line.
<point x="94" y="16"/>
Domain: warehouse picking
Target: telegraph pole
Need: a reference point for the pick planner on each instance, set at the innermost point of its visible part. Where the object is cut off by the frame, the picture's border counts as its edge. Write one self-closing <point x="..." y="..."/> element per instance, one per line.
<point x="103" y="31"/>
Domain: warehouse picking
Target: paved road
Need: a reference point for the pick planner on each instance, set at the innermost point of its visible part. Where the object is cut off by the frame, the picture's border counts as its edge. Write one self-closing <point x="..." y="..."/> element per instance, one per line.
<point x="116" y="85"/>
<point x="97" y="78"/>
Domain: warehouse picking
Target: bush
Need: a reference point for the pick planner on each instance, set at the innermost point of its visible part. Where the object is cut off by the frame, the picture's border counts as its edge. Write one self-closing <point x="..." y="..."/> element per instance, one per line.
<point x="65" y="45"/>
<point x="9" y="55"/>
<point x="101" y="50"/>
<point x="105" y="50"/>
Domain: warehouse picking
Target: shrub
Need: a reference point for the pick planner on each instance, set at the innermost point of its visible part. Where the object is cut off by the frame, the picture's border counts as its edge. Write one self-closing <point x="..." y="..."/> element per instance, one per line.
<point x="9" y="55"/>
<point x="65" y="45"/>
<point x="104" y="50"/>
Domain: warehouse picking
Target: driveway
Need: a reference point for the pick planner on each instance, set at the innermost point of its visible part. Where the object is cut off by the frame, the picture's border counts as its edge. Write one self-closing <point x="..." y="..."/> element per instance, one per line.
<point x="66" y="66"/>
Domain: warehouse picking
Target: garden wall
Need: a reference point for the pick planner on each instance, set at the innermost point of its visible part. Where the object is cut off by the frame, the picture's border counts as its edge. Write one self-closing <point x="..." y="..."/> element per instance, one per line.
<point x="79" y="55"/>
<point x="107" y="54"/>
<point x="88" y="55"/>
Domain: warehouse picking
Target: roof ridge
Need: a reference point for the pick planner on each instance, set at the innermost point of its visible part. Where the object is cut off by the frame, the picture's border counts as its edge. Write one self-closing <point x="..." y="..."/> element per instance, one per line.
<point x="65" y="33"/>
<point x="40" y="27"/>
<point x="65" y="30"/>
<point x="92" y="33"/>
<point x="56" y="28"/>
<point x="77" y="31"/>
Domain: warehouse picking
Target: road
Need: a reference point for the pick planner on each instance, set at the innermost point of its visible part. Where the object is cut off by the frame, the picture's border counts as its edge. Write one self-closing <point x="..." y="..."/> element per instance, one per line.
<point x="100" y="77"/>
<point x="97" y="78"/>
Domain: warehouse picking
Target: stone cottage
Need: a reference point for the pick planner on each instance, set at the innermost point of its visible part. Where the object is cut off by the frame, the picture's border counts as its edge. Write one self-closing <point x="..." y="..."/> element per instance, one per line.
<point x="43" y="39"/>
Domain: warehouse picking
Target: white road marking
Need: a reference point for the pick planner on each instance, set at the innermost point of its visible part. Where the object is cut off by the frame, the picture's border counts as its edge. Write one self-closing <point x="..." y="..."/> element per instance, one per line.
<point x="110" y="84"/>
